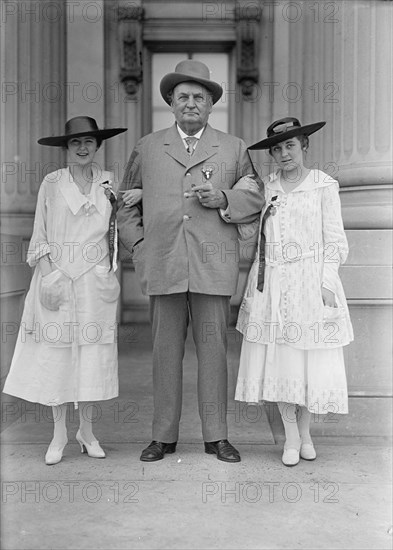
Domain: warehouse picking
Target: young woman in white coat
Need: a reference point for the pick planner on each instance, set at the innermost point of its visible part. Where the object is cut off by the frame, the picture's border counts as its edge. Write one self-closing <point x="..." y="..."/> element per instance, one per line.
<point x="294" y="316"/>
<point x="66" y="349"/>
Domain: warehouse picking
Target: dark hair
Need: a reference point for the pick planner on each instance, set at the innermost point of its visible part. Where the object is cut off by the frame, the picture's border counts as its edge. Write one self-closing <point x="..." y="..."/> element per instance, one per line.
<point x="98" y="140"/>
<point x="304" y="142"/>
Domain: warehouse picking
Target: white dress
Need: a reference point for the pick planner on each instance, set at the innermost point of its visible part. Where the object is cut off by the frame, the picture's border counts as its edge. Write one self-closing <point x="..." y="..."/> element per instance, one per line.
<point x="292" y="347"/>
<point x="69" y="354"/>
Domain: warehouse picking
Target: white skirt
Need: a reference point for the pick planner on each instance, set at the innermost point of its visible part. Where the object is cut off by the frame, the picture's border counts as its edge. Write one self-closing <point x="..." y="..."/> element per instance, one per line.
<point x="47" y="374"/>
<point x="314" y="379"/>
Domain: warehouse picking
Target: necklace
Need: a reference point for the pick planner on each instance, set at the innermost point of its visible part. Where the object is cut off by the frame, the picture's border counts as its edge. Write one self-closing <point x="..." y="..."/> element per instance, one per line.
<point x="290" y="184"/>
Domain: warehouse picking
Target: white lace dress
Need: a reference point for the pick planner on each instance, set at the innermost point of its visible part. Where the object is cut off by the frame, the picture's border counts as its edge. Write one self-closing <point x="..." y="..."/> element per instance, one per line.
<point x="292" y="347"/>
<point x="69" y="354"/>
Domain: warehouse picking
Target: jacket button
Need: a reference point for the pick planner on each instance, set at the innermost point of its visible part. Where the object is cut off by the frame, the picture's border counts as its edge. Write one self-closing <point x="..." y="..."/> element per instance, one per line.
<point x="185" y="217"/>
<point x="188" y="173"/>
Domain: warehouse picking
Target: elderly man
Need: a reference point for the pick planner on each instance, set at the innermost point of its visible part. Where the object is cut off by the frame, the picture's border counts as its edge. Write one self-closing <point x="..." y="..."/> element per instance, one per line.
<point x="183" y="242"/>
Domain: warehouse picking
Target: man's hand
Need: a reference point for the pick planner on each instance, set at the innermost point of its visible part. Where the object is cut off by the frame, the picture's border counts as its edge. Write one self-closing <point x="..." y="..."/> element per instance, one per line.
<point x="208" y="196"/>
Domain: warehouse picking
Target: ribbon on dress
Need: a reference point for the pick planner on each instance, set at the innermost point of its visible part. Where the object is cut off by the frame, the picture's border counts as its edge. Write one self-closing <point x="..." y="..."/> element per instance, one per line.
<point x="271" y="210"/>
<point x="112" y="230"/>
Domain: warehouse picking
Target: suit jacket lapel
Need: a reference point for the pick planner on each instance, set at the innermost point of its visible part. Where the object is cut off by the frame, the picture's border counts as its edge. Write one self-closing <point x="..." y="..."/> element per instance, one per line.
<point x="174" y="147"/>
<point x="206" y="148"/>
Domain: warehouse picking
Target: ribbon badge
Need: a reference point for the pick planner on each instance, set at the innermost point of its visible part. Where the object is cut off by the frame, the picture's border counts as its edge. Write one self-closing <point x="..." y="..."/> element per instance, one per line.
<point x="111" y="196"/>
<point x="207" y="171"/>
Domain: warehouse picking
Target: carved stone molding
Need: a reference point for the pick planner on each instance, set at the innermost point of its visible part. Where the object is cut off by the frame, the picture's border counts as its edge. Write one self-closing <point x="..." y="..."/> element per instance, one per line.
<point x="130" y="39"/>
<point x="247" y="27"/>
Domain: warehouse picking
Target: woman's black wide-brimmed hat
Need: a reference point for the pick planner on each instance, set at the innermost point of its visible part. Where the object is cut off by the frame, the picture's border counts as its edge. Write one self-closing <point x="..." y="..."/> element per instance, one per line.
<point x="78" y="127"/>
<point x="284" y="129"/>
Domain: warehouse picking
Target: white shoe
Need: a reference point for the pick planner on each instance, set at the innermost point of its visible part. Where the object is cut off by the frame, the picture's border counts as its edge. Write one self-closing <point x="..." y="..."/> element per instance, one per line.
<point x="290" y="456"/>
<point x="93" y="449"/>
<point x="54" y="454"/>
<point x="307" y="451"/>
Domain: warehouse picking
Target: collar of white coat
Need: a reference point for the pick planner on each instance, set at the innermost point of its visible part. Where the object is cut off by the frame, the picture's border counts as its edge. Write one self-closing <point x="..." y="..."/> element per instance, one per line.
<point x="314" y="180"/>
<point x="74" y="197"/>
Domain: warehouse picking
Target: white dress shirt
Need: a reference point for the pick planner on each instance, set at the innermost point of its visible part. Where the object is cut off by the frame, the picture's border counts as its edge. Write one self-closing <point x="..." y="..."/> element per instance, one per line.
<point x="183" y="136"/>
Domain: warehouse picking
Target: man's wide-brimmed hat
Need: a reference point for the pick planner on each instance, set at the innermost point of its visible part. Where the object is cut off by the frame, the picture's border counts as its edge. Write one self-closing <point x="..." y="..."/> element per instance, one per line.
<point x="78" y="127"/>
<point x="284" y="129"/>
<point x="190" y="70"/>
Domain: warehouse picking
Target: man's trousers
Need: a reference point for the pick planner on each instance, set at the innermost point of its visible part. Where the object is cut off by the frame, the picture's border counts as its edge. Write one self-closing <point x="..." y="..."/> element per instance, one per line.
<point x="170" y="315"/>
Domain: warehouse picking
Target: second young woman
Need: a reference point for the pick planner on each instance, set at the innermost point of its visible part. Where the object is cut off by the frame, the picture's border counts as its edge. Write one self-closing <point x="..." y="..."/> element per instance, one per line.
<point x="294" y="316"/>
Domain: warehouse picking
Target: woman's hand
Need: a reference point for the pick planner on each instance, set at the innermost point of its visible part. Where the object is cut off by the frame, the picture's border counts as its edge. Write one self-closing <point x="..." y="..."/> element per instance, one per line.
<point x="131" y="197"/>
<point x="52" y="290"/>
<point x="46" y="265"/>
<point x="328" y="297"/>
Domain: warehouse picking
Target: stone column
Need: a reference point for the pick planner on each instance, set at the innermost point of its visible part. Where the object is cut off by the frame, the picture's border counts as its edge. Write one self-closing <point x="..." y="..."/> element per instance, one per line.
<point x="33" y="92"/>
<point x="33" y="98"/>
<point x="362" y="148"/>
<point x="123" y="30"/>
<point x="363" y="129"/>
<point x="85" y="64"/>
<point x="123" y="108"/>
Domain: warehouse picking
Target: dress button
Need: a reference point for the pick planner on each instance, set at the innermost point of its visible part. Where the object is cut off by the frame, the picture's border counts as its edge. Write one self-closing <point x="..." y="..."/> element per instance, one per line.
<point x="185" y="217"/>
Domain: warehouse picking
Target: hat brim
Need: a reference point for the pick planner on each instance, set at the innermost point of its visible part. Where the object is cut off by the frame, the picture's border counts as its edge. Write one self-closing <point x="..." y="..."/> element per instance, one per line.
<point x="298" y="131"/>
<point x="60" y="141"/>
<point x="171" y="80"/>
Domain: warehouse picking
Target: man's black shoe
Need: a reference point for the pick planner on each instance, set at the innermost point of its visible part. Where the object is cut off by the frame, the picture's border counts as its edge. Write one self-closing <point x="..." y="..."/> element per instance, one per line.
<point x="156" y="451"/>
<point x="223" y="449"/>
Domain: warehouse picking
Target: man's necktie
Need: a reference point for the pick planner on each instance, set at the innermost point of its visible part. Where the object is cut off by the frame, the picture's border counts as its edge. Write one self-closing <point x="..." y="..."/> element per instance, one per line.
<point x="261" y="270"/>
<point x="191" y="143"/>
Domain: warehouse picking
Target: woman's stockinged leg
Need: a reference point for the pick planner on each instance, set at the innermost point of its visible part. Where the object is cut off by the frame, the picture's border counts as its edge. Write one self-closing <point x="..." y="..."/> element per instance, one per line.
<point x="54" y="454"/>
<point x="307" y="450"/>
<point x="89" y="413"/>
<point x="288" y="413"/>
<point x="289" y="419"/>
<point x="59" y="425"/>
<point x="303" y="422"/>
<point x="87" y="416"/>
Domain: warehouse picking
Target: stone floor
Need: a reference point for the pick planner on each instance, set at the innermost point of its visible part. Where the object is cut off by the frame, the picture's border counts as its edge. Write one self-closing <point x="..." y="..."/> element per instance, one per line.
<point x="189" y="500"/>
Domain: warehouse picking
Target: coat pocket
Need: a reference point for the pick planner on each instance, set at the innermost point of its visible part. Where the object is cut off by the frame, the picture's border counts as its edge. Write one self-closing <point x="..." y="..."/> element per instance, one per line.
<point x="333" y="313"/>
<point x="108" y="286"/>
<point x="52" y="324"/>
<point x="52" y="290"/>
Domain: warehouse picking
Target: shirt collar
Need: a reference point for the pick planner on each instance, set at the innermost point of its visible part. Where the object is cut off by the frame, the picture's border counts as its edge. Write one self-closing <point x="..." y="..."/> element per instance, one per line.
<point x="183" y="135"/>
<point x="76" y="200"/>
<point x="314" y="180"/>
<point x="273" y="181"/>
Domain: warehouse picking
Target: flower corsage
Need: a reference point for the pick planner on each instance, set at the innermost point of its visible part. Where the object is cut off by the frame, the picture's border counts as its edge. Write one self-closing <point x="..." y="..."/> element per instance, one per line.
<point x="108" y="189"/>
<point x="274" y="204"/>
